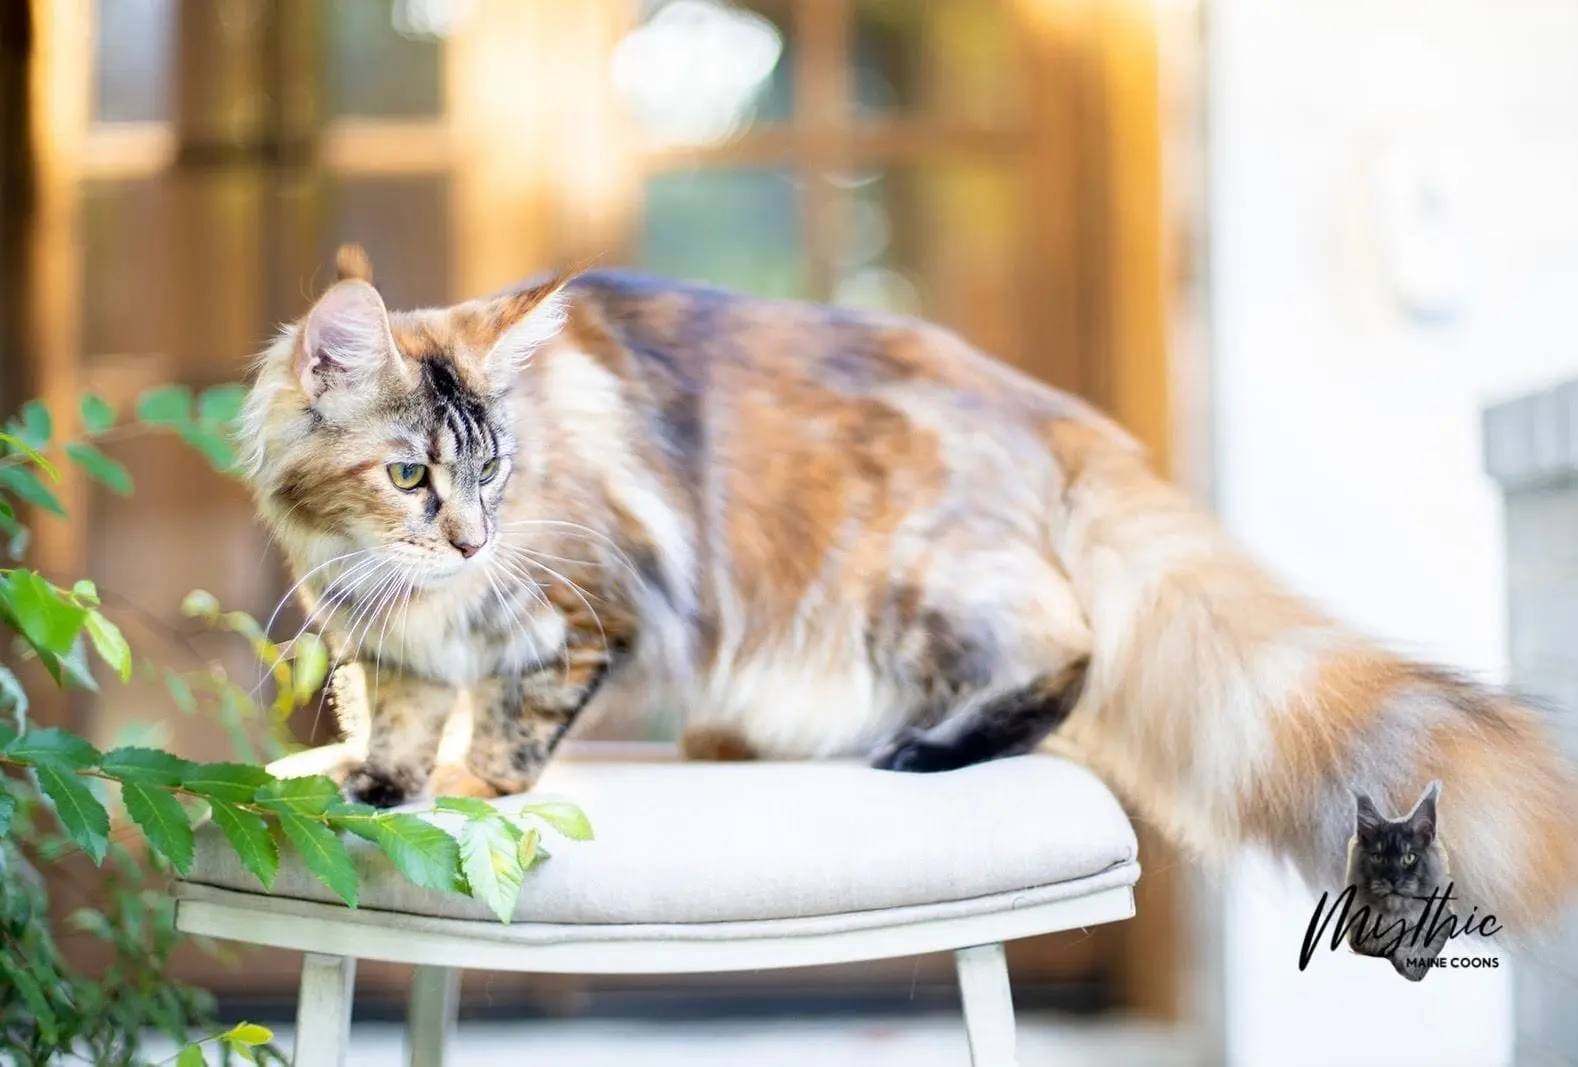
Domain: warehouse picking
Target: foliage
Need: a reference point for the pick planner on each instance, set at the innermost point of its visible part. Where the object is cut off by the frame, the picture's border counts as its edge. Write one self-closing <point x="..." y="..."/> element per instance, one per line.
<point x="56" y="805"/>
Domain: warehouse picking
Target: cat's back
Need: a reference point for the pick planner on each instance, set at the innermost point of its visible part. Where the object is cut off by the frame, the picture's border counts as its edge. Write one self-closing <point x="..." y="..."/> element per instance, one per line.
<point x="697" y="339"/>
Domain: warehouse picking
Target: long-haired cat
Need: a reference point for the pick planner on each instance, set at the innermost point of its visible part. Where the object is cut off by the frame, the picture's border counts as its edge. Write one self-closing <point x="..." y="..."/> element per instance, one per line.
<point x="1399" y="872"/>
<point x="823" y="533"/>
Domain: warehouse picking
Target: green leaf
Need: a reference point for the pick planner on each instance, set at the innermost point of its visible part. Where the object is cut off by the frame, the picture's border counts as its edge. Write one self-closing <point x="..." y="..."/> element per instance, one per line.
<point x="21" y="976"/>
<point x="199" y="604"/>
<point x="70" y="669"/>
<point x="180" y="692"/>
<point x="220" y="453"/>
<point x="7" y="810"/>
<point x="12" y="696"/>
<point x="468" y="806"/>
<point x="419" y="850"/>
<point x="564" y="817"/>
<point x="168" y="405"/>
<point x="222" y="403"/>
<point x="531" y="850"/>
<point x="248" y="835"/>
<point x="53" y="747"/>
<point x="45" y="618"/>
<point x="323" y="853"/>
<point x="85" y="591"/>
<point x="98" y="414"/>
<point x="83" y="818"/>
<point x="146" y="766"/>
<point x="191" y="1056"/>
<point x="235" y="782"/>
<point x="490" y="860"/>
<point x="164" y="822"/>
<point x="37" y="426"/>
<point x="111" y="472"/>
<point x="248" y="1034"/>
<point x="308" y="667"/>
<point x="14" y="535"/>
<point x="24" y="485"/>
<point x="309" y="795"/>
<point x="111" y="644"/>
<point x="16" y="446"/>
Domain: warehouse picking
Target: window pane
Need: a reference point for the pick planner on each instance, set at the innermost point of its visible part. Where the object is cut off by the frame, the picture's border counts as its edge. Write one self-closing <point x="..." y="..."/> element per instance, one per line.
<point x="940" y="240"/>
<point x="134" y="53"/>
<point x="698" y="72"/>
<point x="950" y="58"/>
<point x="403" y="223"/>
<point x="382" y="58"/>
<point x="739" y="229"/>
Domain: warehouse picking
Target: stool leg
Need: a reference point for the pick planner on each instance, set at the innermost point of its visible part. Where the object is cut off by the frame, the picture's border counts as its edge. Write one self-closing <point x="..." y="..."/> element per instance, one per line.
<point x="988" y="1005"/>
<point x="430" y="1014"/>
<point x="323" y="1011"/>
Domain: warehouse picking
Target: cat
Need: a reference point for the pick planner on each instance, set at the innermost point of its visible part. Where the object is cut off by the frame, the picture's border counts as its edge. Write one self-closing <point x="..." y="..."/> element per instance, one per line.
<point x="1394" y="867"/>
<point x="831" y="533"/>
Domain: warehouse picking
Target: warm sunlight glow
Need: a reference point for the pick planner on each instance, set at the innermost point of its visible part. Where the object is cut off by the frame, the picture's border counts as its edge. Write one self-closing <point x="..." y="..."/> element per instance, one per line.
<point x="692" y="73"/>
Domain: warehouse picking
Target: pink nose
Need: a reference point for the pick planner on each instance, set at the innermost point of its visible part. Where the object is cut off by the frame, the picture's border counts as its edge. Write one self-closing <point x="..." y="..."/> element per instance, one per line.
<point x="466" y="548"/>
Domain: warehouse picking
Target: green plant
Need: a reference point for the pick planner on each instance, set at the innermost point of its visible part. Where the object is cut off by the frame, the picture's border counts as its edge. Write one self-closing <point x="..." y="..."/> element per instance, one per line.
<point x="58" y="791"/>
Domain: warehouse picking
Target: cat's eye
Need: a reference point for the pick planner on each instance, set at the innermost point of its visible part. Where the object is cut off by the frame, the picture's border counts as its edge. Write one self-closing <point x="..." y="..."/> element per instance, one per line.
<point x="1408" y="859"/>
<point x="490" y="470"/>
<point x="407" y="476"/>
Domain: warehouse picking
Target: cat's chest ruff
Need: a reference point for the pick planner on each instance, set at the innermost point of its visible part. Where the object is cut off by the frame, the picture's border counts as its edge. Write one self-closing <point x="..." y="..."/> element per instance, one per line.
<point x="462" y="640"/>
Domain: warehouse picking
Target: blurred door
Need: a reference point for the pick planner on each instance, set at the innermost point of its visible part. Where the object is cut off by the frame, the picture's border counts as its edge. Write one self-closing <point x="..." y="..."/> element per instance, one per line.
<point x="989" y="164"/>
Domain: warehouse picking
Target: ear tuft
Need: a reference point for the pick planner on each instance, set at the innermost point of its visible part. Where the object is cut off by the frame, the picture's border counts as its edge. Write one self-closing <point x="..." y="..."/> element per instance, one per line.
<point x="351" y="264"/>
<point x="1369" y="818"/>
<point x="527" y="320"/>
<point x="345" y="340"/>
<point x="1423" y="818"/>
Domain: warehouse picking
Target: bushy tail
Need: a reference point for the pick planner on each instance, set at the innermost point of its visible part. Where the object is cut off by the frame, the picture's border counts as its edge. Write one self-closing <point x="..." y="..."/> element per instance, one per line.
<point x="1232" y="712"/>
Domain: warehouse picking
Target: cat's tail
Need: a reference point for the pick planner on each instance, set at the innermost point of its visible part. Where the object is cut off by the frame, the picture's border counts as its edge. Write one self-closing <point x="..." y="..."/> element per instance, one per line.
<point x="1232" y="712"/>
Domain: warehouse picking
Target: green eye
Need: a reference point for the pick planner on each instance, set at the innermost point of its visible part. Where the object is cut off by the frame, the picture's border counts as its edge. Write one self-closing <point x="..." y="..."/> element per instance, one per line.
<point x="490" y="470"/>
<point x="407" y="476"/>
<point x="1408" y="859"/>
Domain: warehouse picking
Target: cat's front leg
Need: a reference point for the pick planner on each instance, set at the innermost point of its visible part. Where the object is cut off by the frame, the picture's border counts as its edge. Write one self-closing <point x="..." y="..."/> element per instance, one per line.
<point x="406" y="723"/>
<point x="518" y="720"/>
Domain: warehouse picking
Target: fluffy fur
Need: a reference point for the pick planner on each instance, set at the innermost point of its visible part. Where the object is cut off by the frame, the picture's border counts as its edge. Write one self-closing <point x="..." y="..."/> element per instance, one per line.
<point x="826" y="533"/>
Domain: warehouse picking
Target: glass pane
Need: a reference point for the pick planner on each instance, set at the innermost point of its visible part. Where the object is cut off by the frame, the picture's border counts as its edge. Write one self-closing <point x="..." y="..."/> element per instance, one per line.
<point x="125" y="265"/>
<point x="698" y="72"/>
<point x="941" y="240"/>
<point x="950" y="58"/>
<point x="738" y="229"/>
<point x="403" y="223"/>
<point x="382" y="58"/>
<point x="134" y="56"/>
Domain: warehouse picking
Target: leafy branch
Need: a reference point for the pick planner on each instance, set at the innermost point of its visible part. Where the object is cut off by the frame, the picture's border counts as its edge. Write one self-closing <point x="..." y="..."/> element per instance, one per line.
<point x="258" y="812"/>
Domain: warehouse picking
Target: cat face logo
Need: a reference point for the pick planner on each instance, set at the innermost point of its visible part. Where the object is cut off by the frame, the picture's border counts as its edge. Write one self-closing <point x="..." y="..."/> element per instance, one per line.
<point x="1398" y="902"/>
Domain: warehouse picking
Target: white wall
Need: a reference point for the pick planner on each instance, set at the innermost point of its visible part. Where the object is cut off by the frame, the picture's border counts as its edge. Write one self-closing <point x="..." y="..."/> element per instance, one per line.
<point x="1347" y="432"/>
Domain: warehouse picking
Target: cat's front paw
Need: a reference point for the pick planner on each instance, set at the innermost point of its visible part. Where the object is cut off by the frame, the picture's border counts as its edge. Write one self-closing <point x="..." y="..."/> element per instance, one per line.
<point x="378" y="788"/>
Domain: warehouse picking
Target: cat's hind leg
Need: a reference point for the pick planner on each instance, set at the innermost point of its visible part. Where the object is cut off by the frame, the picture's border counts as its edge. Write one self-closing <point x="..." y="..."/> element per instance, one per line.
<point x="989" y="726"/>
<point x="518" y="721"/>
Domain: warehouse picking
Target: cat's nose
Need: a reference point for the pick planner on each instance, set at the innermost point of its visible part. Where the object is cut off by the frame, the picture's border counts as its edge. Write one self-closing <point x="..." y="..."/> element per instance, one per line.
<point x="467" y="549"/>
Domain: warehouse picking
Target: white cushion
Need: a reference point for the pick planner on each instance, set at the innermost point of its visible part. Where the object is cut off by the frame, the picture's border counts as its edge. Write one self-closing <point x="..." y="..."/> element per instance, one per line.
<point x="742" y="842"/>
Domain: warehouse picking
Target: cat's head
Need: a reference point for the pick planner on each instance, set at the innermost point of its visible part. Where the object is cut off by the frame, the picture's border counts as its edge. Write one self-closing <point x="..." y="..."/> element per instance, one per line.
<point x="1398" y="855"/>
<point x="389" y="437"/>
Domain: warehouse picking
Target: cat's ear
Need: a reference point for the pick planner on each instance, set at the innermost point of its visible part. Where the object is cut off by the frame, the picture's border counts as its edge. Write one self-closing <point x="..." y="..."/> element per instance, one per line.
<point x="1369" y="818"/>
<point x="1422" y="820"/>
<point x="346" y="340"/>
<point x="526" y="321"/>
